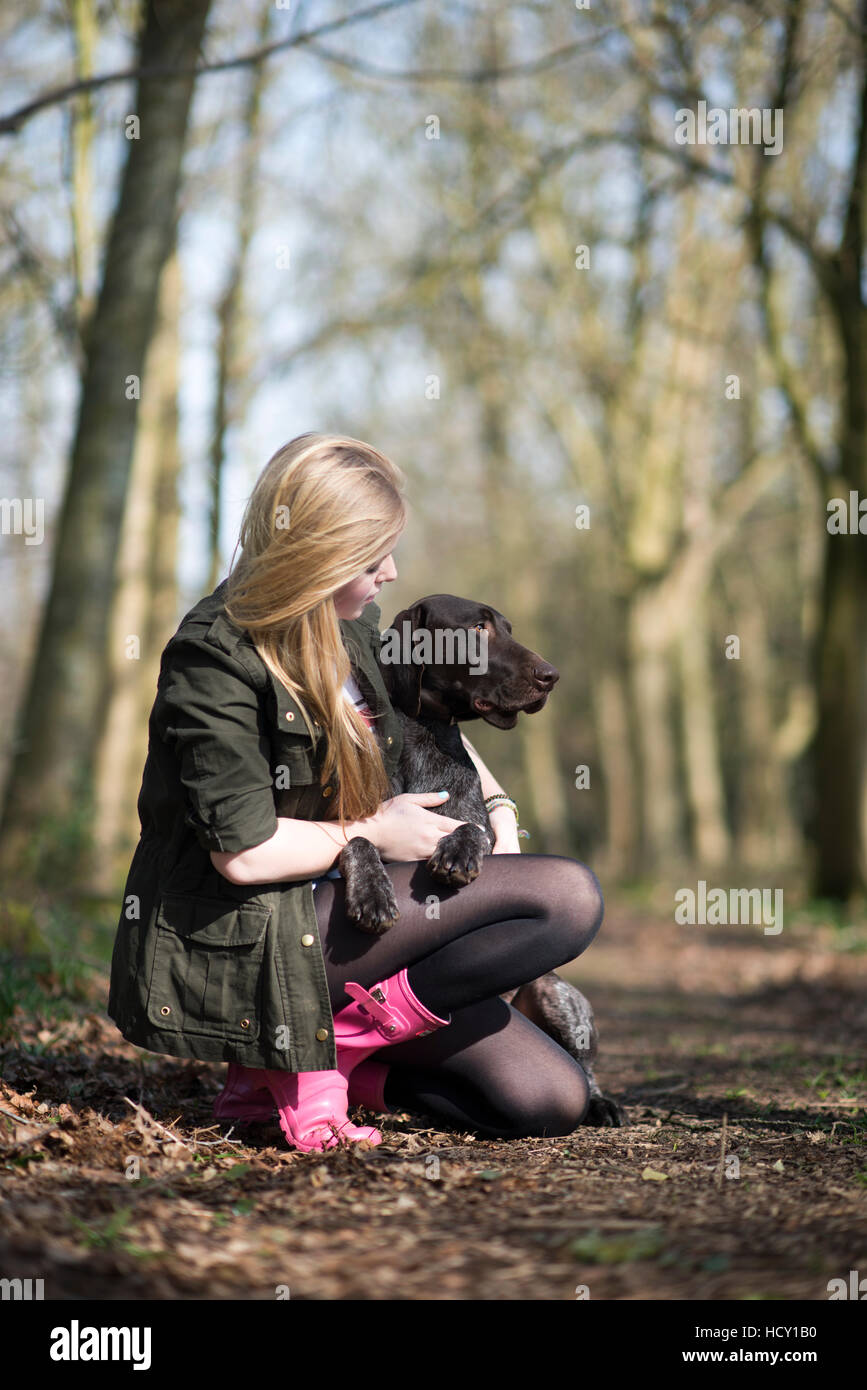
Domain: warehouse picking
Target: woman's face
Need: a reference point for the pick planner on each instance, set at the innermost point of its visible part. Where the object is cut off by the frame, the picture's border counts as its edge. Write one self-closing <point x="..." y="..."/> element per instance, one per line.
<point x="350" y="600"/>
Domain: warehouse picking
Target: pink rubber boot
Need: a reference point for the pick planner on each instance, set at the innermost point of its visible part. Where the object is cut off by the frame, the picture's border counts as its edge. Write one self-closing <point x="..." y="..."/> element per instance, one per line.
<point x="244" y="1097"/>
<point x="312" y="1110"/>
<point x="367" y="1086"/>
<point x="313" y="1105"/>
<point x="389" y="1012"/>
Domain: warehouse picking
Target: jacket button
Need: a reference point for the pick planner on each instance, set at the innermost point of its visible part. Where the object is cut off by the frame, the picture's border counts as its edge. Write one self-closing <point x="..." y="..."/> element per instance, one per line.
<point x="245" y="1023"/>
<point x="326" y="791"/>
<point x="165" y="1010"/>
<point x="321" y="1034"/>
<point x="389" y="741"/>
<point x="289" y="714"/>
<point x="307" y="939"/>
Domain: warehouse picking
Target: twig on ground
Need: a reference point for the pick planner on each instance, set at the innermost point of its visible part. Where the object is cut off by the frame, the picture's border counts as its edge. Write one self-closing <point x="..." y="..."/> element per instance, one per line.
<point x="722" y="1149"/>
<point x="664" y="1091"/>
<point x="211" y="1143"/>
<point x="41" y="1130"/>
<point x="20" y="1120"/>
<point x="148" y="1119"/>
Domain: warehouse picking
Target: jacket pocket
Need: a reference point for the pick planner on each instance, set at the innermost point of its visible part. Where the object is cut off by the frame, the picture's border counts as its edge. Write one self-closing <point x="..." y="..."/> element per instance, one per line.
<point x="207" y="975"/>
<point x="294" y="761"/>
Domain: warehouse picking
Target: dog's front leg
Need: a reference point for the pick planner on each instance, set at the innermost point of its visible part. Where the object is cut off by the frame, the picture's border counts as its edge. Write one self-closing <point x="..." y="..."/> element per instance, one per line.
<point x="370" y="900"/>
<point x="458" y="856"/>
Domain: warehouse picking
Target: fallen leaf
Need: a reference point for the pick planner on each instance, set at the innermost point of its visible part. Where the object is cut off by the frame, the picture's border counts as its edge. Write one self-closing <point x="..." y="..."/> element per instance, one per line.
<point x="651" y="1175"/>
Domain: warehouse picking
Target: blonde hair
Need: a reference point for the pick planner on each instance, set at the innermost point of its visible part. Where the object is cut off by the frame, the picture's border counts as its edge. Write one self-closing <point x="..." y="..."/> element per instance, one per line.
<point x="325" y="508"/>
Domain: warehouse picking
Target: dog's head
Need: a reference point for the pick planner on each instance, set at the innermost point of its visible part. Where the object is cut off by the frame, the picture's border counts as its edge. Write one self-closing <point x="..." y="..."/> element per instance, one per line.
<point x="448" y="657"/>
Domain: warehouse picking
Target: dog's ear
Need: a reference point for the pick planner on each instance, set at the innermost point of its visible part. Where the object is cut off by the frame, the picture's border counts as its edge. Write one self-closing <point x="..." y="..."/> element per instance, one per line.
<point x="403" y="678"/>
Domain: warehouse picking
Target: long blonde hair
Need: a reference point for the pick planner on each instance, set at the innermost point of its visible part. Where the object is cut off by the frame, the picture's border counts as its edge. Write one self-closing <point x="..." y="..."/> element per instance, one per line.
<point x="325" y="508"/>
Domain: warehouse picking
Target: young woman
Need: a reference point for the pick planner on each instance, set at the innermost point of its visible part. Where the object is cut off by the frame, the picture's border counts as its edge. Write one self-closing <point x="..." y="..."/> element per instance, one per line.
<point x="233" y="942"/>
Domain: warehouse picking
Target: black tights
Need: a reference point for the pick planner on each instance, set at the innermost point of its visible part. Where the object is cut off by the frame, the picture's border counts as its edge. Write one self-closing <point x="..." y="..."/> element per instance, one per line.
<point x="491" y="1070"/>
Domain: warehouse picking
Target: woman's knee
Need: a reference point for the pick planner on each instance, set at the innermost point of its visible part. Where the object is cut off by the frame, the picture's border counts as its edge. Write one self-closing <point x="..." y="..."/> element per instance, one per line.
<point x="557" y="1108"/>
<point x="585" y="889"/>
<point x="573" y="902"/>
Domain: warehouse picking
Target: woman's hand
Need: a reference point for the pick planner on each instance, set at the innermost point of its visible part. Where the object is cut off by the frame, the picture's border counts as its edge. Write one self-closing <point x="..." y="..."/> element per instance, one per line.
<point x="505" y="828"/>
<point x="403" y="829"/>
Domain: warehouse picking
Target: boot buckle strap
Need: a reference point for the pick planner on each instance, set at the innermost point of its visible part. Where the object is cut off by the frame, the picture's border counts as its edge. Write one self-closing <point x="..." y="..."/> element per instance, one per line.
<point x="372" y="1001"/>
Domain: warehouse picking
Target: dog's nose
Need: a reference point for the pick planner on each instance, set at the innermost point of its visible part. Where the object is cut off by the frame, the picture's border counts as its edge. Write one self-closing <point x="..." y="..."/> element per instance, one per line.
<point x="545" y="676"/>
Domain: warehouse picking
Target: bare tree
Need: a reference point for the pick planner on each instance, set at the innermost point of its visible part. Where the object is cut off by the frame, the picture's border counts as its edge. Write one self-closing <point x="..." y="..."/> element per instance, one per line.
<point x="60" y="714"/>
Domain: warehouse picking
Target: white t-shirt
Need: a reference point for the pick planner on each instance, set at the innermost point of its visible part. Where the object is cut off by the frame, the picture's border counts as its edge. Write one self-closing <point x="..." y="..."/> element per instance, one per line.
<point x="353" y="693"/>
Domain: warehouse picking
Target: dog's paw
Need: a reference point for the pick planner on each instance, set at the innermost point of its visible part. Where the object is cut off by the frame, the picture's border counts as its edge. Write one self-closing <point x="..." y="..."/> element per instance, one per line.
<point x="373" y="907"/>
<point x="604" y="1112"/>
<point x="458" y="857"/>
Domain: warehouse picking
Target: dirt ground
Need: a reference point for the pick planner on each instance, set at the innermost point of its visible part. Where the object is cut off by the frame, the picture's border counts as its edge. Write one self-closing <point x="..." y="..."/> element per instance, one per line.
<point x="740" y="1060"/>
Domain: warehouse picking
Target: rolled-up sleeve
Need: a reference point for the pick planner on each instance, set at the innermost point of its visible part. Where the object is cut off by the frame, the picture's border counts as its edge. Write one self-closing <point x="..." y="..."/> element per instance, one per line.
<point x="212" y="720"/>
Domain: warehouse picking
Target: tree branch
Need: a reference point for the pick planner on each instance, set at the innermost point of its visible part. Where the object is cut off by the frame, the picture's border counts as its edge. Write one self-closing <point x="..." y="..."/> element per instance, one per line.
<point x="552" y="160"/>
<point x="754" y="224"/>
<point x="28" y="261"/>
<point x="477" y="76"/>
<point x="12" y="123"/>
<point x="859" y="29"/>
<point x="852" y="241"/>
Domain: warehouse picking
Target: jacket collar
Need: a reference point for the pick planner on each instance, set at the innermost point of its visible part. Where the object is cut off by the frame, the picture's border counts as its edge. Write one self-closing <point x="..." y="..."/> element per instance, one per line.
<point x="236" y="642"/>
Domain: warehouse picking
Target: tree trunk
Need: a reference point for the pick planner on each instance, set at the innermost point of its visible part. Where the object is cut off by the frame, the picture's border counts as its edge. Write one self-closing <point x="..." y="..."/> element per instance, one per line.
<point x="62" y="712"/>
<point x="838" y="749"/>
<point x="651" y="666"/>
<point x="710" y="837"/>
<point x="767" y="836"/>
<point x="229" y="313"/>
<point x="145" y="602"/>
<point x="84" y="241"/>
<point x="622" y="793"/>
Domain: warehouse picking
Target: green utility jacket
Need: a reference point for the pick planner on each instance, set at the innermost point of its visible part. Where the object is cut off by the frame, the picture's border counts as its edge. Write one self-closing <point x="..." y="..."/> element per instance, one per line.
<point x="203" y="967"/>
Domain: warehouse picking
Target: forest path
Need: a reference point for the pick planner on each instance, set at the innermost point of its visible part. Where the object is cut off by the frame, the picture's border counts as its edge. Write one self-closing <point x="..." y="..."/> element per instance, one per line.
<point x="711" y="1036"/>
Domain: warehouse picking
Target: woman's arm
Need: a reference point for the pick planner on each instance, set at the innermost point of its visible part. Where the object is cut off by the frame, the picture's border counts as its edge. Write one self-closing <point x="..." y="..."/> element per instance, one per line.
<point x="502" y="818"/>
<point x="404" y="828"/>
<point x="311" y="847"/>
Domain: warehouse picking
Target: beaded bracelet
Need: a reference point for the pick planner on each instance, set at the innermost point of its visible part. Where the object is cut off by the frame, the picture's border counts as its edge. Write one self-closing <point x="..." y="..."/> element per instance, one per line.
<point x="501" y="799"/>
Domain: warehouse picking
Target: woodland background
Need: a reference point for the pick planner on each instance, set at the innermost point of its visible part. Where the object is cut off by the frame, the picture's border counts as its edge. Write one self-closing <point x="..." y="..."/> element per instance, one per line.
<point x="371" y="223"/>
<point x="281" y="217"/>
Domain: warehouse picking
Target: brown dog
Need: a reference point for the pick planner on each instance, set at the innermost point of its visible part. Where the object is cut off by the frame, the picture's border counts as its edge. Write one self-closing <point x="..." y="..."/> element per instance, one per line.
<point x="434" y="684"/>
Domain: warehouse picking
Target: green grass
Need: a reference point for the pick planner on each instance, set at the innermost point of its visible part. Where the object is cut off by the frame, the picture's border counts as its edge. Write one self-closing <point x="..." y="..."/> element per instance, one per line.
<point x="597" y="1248"/>
<point x="50" y="988"/>
<point x="840" y="1074"/>
<point x="109" y="1234"/>
<point x="49" y="953"/>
